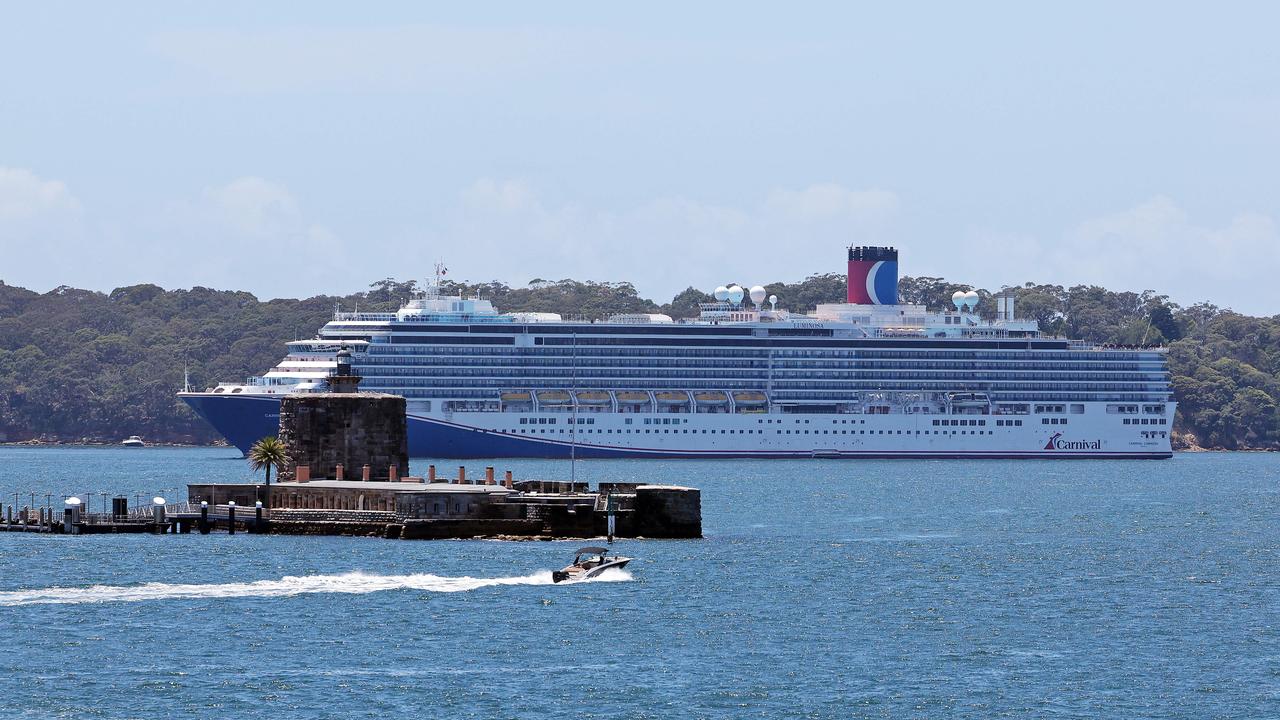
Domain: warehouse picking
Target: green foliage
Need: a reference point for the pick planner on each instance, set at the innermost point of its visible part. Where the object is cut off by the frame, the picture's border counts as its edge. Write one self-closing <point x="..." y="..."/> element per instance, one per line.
<point x="586" y="300"/>
<point x="267" y="453"/>
<point x="685" y="303"/>
<point x="76" y="364"/>
<point x="814" y="290"/>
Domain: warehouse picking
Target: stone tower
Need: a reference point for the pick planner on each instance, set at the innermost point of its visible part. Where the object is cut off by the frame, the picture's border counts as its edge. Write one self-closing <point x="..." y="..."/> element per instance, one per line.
<point x="345" y="427"/>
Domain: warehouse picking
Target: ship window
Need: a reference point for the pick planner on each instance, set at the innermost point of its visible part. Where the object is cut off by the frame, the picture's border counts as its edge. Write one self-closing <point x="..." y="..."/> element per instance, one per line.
<point x="1018" y="423"/>
<point x="627" y="421"/>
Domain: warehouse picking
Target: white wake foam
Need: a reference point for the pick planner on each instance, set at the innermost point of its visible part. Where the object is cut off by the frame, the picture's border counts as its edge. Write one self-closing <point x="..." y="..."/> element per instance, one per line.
<point x="354" y="583"/>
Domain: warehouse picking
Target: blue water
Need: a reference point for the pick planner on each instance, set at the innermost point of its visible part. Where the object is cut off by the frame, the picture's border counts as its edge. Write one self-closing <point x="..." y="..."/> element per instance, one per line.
<point x="824" y="589"/>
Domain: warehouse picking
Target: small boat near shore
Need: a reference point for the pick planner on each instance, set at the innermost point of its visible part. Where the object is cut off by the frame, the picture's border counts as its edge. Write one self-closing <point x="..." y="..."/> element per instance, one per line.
<point x="588" y="563"/>
<point x="133" y="441"/>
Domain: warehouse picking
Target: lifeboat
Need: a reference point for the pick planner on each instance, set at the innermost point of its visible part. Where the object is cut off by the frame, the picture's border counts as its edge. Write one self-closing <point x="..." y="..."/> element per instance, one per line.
<point x="593" y="397"/>
<point x="631" y="397"/>
<point x="553" y="397"/>
<point x="711" y="397"/>
<point x="517" y="396"/>
<point x="672" y="397"/>
<point x="970" y="400"/>
<point x="749" y="397"/>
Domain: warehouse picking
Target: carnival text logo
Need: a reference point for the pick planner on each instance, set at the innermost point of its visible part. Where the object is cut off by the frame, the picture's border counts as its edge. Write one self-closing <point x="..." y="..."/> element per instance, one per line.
<point x="1057" y="443"/>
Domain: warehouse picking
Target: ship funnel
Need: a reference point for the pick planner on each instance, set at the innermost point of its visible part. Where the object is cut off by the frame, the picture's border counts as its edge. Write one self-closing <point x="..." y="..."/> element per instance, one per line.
<point x="873" y="275"/>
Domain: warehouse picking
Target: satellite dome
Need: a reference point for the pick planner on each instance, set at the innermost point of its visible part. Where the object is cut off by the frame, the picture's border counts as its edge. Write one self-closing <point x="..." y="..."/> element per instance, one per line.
<point x="957" y="298"/>
<point x="971" y="299"/>
<point x="757" y="294"/>
<point x="773" y="299"/>
<point x="736" y="294"/>
<point x="721" y="294"/>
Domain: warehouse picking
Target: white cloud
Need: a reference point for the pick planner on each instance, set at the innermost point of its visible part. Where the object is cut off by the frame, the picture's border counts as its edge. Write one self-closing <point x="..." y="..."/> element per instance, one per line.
<point x="25" y="196"/>
<point x="828" y="200"/>
<point x="42" y="240"/>
<point x="250" y="233"/>
<point x="505" y="230"/>
<point x="502" y="196"/>
<point x="253" y="206"/>
<point x="377" y="59"/>
<point x="1154" y="245"/>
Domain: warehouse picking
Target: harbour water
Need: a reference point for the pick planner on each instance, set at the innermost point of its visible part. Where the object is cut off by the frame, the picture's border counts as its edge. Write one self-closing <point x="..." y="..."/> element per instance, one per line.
<point x="823" y="589"/>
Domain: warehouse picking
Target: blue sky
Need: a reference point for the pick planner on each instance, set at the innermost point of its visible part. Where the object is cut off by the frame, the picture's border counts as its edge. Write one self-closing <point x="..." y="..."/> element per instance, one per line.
<point x="315" y="148"/>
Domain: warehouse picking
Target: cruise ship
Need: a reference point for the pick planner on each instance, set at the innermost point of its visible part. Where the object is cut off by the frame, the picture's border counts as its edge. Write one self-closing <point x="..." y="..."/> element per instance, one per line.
<point x="867" y="378"/>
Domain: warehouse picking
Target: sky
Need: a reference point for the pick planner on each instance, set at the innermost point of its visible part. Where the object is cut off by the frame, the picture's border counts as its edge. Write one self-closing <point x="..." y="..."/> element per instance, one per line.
<point x="296" y="149"/>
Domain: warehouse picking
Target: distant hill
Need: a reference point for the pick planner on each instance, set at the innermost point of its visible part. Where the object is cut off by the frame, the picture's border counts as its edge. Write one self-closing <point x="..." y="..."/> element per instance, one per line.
<point x="81" y="365"/>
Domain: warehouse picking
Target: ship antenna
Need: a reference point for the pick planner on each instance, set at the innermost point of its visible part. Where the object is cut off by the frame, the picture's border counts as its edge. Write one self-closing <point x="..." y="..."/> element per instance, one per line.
<point x="186" y="377"/>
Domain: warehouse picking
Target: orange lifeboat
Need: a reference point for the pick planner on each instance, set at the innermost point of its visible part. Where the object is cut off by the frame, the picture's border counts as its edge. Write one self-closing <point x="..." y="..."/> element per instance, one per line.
<point x="711" y="397"/>
<point x="553" y="397"/>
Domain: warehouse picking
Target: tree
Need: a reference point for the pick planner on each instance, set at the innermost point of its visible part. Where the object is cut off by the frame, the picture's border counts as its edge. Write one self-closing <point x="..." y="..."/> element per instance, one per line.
<point x="685" y="303"/>
<point x="266" y="453"/>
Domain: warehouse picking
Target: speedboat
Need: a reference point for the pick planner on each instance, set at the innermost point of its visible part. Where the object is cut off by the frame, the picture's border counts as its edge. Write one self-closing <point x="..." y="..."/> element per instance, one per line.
<point x="589" y="562"/>
<point x="133" y="441"/>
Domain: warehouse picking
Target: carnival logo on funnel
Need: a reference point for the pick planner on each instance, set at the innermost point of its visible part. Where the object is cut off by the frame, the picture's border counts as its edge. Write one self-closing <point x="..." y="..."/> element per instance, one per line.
<point x="1057" y="443"/>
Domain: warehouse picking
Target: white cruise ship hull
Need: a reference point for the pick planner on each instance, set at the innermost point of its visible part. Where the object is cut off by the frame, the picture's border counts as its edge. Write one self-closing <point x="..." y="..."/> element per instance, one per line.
<point x="244" y="419"/>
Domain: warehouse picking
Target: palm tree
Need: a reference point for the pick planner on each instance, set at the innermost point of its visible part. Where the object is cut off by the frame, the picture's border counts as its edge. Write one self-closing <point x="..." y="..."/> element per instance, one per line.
<point x="265" y="453"/>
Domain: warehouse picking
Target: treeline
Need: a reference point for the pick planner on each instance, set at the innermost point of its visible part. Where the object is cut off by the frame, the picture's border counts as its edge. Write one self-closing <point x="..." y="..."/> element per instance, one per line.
<point x="81" y="365"/>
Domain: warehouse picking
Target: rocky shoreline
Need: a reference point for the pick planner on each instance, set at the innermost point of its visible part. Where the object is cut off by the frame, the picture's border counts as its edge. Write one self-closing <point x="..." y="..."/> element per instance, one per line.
<point x="88" y="442"/>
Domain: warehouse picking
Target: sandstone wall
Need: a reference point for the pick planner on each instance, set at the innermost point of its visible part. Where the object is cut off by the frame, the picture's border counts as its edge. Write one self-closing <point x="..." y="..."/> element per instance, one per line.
<point x="323" y="430"/>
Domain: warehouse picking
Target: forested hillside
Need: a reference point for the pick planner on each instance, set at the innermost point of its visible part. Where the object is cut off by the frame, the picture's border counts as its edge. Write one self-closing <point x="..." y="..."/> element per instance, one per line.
<point x="81" y="365"/>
